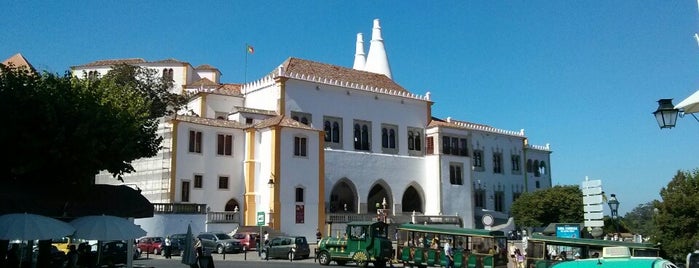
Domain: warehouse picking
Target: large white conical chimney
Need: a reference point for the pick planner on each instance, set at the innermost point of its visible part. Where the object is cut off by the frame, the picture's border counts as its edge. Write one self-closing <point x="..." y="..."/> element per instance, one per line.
<point x="377" y="60"/>
<point x="359" y="59"/>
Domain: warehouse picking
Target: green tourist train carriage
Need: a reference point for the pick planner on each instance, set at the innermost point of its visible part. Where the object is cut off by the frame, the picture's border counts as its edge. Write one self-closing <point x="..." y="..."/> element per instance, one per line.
<point x="362" y="243"/>
<point x="473" y="248"/>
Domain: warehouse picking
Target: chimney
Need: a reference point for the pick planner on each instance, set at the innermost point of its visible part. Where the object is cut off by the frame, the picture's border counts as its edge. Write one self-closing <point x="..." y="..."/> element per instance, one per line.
<point x="377" y="60"/>
<point x="359" y="59"/>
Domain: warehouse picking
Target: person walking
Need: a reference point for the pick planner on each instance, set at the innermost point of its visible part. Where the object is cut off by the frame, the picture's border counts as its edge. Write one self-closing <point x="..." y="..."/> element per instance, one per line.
<point x="168" y="248"/>
<point x="449" y="254"/>
<point x="519" y="258"/>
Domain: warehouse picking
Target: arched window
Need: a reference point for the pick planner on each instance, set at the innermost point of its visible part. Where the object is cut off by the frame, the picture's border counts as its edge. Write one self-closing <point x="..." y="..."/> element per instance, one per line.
<point x="392" y="138"/>
<point x="536" y="168"/>
<point x="365" y="137"/>
<point x="357" y="137"/>
<point x="384" y="138"/>
<point x="411" y="140"/>
<point x="328" y="131"/>
<point x="542" y="167"/>
<point x="418" y="142"/>
<point x="529" y="165"/>
<point x="336" y="132"/>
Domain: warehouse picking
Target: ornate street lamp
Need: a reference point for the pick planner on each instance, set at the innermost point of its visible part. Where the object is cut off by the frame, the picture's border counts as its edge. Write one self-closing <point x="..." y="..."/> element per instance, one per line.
<point x="614" y="207"/>
<point x="666" y="114"/>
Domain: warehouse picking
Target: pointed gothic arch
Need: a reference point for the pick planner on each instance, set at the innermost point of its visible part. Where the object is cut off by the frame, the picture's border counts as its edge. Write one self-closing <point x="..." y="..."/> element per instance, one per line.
<point x="343" y="197"/>
<point x="413" y="199"/>
<point x="232" y="204"/>
<point x="377" y="193"/>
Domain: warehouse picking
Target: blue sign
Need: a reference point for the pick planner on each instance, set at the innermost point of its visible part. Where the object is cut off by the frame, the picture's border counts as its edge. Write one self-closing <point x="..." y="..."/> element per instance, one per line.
<point x="568" y="230"/>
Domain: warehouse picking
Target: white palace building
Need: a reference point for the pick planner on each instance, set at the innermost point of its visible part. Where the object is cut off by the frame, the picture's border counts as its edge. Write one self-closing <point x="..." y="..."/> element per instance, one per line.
<point x="313" y="143"/>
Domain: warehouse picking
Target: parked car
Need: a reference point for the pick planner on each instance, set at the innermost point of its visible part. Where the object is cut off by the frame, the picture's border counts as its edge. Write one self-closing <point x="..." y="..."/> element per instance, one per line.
<point x="151" y="245"/>
<point x="247" y="239"/>
<point x="219" y="242"/>
<point x="286" y="247"/>
<point x="114" y="252"/>
<point x="178" y="244"/>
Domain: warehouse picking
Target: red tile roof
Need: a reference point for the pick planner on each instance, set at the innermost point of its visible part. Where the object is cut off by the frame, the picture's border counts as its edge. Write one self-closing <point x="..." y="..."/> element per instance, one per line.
<point x="296" y="66"/>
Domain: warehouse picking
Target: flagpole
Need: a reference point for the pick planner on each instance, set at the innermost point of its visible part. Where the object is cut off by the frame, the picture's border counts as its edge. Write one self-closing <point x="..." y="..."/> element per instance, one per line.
<point x="245" y="78"/>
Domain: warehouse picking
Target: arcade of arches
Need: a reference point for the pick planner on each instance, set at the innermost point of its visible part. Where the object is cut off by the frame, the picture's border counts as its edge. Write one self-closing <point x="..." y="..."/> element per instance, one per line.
<point x="344" y="199"/>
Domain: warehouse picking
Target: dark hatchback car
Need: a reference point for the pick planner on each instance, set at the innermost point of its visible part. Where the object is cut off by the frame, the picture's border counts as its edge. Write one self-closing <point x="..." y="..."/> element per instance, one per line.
<point x="286" y="247"/>
<point x="219" y="243"/>
<point x="113" y="253"/>
<point x="177" y="241"/>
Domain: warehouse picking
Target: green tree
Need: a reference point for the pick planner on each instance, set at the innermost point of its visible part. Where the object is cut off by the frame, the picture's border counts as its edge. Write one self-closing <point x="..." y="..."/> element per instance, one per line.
<point x="62" y="130"/>
<point x="555" y="204"/>
<point x="640" y="219"/>
<point x="677" y="218"/>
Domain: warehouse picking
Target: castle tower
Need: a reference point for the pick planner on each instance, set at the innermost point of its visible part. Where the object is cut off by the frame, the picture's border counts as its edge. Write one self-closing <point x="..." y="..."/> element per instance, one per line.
<point x="377" y="60"/>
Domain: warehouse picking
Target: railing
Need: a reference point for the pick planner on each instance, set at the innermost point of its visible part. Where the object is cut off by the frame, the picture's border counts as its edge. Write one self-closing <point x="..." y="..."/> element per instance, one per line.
<point x="223" y="217"/>
<point x="348" y="217"/>
<point x="395" y="219"/>
<point x="176" y="208"/>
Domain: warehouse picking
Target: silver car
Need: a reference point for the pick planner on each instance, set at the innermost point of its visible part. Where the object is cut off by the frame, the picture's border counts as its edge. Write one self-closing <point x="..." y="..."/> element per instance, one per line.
<point x="219" y="243"/>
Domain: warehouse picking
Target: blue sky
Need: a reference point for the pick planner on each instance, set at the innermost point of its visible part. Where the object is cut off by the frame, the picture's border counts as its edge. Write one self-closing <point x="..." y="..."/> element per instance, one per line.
<point x="583" y="76"/>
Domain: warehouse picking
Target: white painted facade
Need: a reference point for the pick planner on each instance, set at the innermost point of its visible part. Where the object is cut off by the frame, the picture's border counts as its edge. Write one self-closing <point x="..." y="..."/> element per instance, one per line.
<point x="264" y="173"/>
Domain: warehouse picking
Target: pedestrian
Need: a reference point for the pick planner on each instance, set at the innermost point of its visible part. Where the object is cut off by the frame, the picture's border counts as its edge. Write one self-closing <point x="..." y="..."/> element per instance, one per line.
<point x="266" y="236"/>
<point x="519" y="258"/>
<point x="72" y="257"/>
<point x="13" y="256"/>
<point x="448" y="252"/>
<point x="319" y="235"/>
<point x="84" y="255"/>
<point x="198" y="248"/>
<point x="258" y="246"/>
<point x="168" y="248"/>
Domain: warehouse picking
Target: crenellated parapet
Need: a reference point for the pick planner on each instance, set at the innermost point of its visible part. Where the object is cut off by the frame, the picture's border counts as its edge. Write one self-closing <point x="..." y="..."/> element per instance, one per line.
<point x="546" y="147"/>
<point x="269" y="80"/>
<point x="486" y="128"/>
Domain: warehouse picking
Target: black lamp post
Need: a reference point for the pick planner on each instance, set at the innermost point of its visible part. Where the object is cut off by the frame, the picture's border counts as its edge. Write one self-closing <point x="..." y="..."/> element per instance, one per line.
<point x="614" y="207"/>
<point x="666" y="114"/>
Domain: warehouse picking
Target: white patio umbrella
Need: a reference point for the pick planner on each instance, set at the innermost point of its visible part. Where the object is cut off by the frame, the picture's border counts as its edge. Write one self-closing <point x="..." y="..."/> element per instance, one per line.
<point x="27" y="226"/>
<point x="690" y="104"/>
<point x="106" y="228"/>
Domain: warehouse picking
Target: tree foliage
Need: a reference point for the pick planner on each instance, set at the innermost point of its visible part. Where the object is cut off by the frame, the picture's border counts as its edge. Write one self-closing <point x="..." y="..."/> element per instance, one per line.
<point x="677" y="217"/>
<point x="640" y="219"/>
<point x="62" y="130"/>
<point x="555" y="204"/>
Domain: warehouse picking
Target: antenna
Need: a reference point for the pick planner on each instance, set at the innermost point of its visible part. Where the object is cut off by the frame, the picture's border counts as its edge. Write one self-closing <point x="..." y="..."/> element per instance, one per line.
<point x="696" y="36"/>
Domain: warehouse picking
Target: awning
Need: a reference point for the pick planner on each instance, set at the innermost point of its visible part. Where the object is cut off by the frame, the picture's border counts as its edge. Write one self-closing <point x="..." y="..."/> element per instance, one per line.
<point x="115" y="200"/>
<point x="690" y="104"/>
